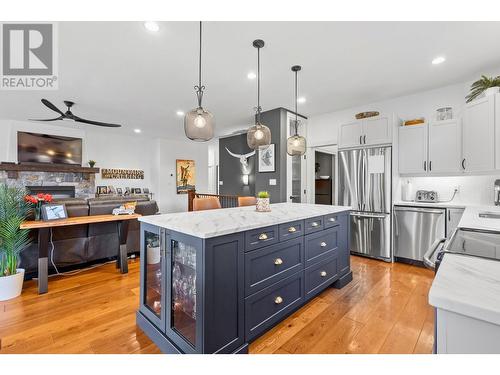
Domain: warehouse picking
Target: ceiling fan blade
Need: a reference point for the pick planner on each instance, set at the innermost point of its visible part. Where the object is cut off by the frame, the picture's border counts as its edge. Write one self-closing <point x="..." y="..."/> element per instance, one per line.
<point x="50" y="119"/>
<point x="108" y="125"/>
<point x="52" y="107"/>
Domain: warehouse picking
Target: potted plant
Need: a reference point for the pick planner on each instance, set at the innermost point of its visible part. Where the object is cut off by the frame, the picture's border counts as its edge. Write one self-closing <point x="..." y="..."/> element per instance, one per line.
<point x="263" y="202"/>
<point x="13" y="211"/>
<point x="37" y="201"/>
<point x="91" y="163"/>
<point x="486" y="85"/>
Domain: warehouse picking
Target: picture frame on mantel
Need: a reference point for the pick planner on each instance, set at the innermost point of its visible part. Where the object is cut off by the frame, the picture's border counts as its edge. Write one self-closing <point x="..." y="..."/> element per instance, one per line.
<point x="267" y="159"/>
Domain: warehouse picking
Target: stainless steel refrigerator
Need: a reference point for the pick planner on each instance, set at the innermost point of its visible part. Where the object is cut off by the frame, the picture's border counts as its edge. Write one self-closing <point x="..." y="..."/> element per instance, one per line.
<point x="365" y="184"/>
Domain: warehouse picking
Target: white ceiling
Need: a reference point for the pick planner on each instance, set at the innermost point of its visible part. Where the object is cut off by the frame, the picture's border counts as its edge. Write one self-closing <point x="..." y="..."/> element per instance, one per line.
<point x="120" y="72"/>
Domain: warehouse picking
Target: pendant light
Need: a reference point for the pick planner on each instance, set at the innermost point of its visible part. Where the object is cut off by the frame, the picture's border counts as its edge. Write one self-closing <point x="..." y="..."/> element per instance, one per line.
<point x="296" y="144"/>
<point x="258" y="135"/>
<point x="199" y="124"/>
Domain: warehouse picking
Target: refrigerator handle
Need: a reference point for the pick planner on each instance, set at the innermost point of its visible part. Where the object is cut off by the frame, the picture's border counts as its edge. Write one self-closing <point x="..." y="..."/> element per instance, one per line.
<point x="396" y="226"/>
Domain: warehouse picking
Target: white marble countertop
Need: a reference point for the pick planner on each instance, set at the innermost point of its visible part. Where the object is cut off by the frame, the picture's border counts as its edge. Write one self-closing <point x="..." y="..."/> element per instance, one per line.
<point x="213" y="223"/>
<point x="469" y="286"/>
<point x="471" y="219"/>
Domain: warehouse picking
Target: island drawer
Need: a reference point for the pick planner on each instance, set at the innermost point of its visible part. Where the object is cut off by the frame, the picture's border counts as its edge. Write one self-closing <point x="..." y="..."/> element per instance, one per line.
<point x="260" y="237"/>
<point x="320" y="275"/>
<point x="270" y="264"/>
<point x="321" y="245"/>
<point x="314" y="224"/>
<point x="290" y="230"/>
<point x="331" y="220"/>
<point x="267" y="307"/>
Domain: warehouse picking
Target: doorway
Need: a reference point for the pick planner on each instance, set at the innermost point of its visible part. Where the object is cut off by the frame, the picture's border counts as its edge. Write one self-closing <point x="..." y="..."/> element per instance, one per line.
<point x="324" y="177"/>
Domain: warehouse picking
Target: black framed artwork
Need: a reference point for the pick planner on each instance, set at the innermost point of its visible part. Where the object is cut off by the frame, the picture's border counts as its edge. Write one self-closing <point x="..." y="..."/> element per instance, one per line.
<point x="54" y="212"/>
<point x="119" y="191"/>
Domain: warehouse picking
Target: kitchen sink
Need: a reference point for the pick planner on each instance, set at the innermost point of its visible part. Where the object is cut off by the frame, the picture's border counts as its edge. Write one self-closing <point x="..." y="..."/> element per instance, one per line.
<point x="489" y="215"/>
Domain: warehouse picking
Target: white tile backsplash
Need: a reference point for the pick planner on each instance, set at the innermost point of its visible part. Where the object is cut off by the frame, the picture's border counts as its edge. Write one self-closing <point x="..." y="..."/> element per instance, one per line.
<point x="473" y="190"/>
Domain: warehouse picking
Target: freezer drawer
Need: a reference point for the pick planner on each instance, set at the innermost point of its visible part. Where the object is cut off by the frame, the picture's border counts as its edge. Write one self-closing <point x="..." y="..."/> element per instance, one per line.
<point x="416" y="229"/>
<point x="370" y="235"/>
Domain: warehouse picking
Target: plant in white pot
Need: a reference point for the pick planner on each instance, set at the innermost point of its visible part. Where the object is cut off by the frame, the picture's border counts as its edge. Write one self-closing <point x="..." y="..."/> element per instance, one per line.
<point x="484" y="85"/>
<point x="263" y="202"/>
<point x="13" y="211"/>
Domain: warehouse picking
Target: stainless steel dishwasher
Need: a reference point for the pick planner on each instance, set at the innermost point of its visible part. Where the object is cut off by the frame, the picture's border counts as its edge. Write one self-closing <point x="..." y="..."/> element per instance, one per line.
<point x="415" y="230"/>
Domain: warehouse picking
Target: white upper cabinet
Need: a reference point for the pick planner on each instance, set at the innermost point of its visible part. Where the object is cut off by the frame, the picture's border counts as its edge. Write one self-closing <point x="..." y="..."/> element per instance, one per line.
<point x="350" y="134"/>
<point x="445" y="147"/>
<point x="479" y="135"/>
<point x="412" y="142"/>
<point x="366" y="132"/>
<point x="377" y="130"/>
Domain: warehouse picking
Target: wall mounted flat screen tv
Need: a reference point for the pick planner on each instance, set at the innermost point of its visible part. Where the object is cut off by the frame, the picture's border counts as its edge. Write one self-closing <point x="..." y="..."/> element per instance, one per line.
<point x="45" y="148"/>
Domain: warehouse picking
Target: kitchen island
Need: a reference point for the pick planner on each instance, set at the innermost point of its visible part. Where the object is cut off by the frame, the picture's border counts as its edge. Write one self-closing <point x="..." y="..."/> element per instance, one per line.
<point x="213" y="281"/>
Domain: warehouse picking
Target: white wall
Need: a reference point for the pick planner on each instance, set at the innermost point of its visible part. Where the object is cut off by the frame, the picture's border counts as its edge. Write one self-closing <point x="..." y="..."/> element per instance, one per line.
<point x="156" y="157"/>
<point x="170" y="150"/>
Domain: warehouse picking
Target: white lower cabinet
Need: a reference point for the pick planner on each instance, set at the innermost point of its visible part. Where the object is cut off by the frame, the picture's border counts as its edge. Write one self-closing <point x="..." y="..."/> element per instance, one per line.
<point x="453" y="216"/>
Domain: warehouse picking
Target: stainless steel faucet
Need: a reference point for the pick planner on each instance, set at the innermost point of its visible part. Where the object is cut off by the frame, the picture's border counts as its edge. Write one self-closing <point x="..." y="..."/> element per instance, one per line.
<point x="497" y="192"/>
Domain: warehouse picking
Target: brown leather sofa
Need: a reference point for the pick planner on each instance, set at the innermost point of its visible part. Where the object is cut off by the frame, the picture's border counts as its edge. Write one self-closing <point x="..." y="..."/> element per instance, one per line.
<point x="80" y="244"/>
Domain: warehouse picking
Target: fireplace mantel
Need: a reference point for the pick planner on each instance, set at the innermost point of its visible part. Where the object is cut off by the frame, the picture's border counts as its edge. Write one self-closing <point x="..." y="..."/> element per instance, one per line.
<point x="12" y="168"/>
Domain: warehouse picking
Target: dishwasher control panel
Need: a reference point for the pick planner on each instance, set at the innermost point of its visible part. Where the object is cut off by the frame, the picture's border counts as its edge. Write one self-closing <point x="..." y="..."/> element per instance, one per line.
<point x="426" y="196"/>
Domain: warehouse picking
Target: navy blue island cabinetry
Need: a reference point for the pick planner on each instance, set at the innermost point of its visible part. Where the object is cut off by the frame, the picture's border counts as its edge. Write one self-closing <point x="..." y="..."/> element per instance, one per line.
<point x="213" y="281"/>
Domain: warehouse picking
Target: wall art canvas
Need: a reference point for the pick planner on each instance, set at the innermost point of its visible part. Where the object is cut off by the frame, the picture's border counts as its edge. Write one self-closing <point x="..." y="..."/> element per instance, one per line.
<point x="186" y="176"/>
<point x="267" y="159"/>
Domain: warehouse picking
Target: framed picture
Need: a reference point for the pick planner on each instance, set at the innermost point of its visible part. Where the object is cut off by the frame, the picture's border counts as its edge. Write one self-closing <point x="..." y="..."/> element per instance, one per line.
<point x="137" y="190"/>
<point x="267" y="159"/>
<point x="54" y="212"/>
<point x="119" y="191"/>
<point x="101" y="190"/>
<point x="185" y="176"/>
<point x="145" y="190"/>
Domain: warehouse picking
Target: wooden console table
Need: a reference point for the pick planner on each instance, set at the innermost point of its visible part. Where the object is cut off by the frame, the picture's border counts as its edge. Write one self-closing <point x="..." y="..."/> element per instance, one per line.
<point x="43" y="240"/>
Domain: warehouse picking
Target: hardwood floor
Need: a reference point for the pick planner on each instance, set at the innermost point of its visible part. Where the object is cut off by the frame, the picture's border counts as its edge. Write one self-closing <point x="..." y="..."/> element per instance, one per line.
<point x="383" y="310"/>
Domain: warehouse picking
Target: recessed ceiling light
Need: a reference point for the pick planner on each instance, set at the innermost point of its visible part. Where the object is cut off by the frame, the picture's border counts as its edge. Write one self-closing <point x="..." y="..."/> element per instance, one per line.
<point x="251" y="75"/>
<point x="137" y="130"/>
<point x="301" y="100"/>
<point x="180" y="113"/>
<point x="438" y="60"/>
<point x="152" y="26"/>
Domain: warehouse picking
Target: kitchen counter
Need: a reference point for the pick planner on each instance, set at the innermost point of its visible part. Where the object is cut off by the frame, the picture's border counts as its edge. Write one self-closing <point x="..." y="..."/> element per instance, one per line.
<point x="468" y="286"/>
<point x="471" y="219"/>
<point x="213" y="223"/>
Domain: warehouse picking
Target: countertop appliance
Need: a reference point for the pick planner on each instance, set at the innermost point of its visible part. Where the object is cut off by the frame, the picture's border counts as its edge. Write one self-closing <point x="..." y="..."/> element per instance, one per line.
<point x="426" y="196"/>
<point x="415" y="230"/>
<point x="365" y="184"/>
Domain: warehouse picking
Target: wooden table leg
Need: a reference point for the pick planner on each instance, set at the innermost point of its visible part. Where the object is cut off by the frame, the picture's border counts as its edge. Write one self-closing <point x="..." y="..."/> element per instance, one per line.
<point x="121" y="260"/>
<point x="43" y="261"/>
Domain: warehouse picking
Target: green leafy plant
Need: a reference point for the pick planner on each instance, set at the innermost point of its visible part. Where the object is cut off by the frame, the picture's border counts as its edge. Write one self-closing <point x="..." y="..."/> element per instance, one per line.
<point x="262" y="194"/>
<point x="91" y="163"/>
<point x="482" y="84"/>
<point x="14" y="209"/>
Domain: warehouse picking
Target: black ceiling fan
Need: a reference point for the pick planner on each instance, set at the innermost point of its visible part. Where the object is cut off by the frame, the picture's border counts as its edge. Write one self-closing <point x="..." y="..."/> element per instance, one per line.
<point x="68" y="115"/>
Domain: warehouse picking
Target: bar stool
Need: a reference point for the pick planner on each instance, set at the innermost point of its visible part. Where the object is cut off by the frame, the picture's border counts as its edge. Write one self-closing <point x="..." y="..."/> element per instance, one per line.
<point x="209" y="203"/>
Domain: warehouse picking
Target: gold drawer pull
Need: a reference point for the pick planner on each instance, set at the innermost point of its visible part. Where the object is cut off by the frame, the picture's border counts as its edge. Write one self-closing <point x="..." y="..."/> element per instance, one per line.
<point x="314" y="224"/>
<point x="263" y="236"/>
<point x="332" y="219"/>
<point x="278" y="261"/>
<point x="322" y="244"/>
<point x="278" y="300"/>
<point x="292" y="230"/>
<point x="322" y="273"/>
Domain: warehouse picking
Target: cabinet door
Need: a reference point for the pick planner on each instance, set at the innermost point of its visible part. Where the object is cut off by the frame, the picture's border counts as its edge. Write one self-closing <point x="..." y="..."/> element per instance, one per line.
<point x="445" y="147"/>
<point x="377" y="130"/>
<point x="479" y="135"/>
<point x="453" y="216"/>
<point x="152" y="292"/>
<point x="350" y="135"/>
<point x="412" y="153"/>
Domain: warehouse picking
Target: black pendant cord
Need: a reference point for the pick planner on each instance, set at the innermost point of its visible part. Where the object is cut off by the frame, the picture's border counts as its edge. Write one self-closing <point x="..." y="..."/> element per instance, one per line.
<point x="258" y="86"/>
<point x="296" y="115"/>
<point x="199" y="88"/>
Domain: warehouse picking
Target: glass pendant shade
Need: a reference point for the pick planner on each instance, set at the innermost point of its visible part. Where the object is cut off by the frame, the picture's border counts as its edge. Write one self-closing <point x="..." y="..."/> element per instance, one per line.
<point x="296" y="145"/>
<point x="258" y="136"/>
<point x="199" y="125"/>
